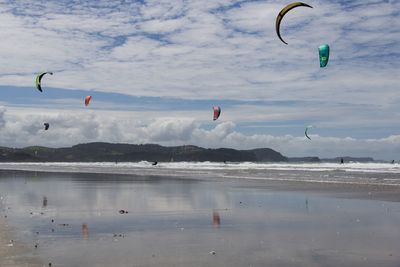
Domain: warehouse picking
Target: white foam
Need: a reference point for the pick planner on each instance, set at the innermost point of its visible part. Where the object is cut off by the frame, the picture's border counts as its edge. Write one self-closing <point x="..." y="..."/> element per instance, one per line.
<point x="316" y="167"/>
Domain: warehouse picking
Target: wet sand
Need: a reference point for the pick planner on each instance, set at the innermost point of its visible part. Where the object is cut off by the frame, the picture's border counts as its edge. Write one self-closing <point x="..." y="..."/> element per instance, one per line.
<point x="188" y="221"/>
<point x="13" y="252"/>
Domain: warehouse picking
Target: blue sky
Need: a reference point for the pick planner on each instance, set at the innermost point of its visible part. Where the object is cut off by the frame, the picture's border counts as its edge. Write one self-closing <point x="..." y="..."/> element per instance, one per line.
<point x="156" y="68"/>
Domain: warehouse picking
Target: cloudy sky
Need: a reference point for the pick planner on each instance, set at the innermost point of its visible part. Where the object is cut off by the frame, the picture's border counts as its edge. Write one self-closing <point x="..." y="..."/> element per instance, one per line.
<point x="156" y="68"/>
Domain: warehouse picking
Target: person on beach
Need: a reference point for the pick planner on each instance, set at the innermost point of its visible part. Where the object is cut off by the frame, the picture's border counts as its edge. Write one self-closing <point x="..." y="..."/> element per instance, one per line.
<point x="341" y="161"/>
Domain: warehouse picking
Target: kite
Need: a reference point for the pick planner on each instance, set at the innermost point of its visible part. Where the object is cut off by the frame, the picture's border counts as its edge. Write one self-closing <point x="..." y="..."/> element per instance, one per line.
<point x="283" y="12"/>
<point x="39" y="80"/>
<point x="217" y="112"/>
<point x="87" y="100"/>
<point x="323" y="55"/>
<point x="306" y="132"/>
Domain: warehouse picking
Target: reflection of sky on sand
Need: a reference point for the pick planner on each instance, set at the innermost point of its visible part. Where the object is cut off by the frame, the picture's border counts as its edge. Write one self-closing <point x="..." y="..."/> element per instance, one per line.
<point x="172" y="222"/>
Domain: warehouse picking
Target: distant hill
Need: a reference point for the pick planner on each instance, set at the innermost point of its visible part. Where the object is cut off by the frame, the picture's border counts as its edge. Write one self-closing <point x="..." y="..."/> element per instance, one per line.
<point x="305" y="159"/>
<point x="107" y="152"/>
<point x="101" y="152"/>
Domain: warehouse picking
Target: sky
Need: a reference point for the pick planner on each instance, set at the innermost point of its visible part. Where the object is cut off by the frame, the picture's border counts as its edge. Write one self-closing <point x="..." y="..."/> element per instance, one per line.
<point x="155" y="69"/>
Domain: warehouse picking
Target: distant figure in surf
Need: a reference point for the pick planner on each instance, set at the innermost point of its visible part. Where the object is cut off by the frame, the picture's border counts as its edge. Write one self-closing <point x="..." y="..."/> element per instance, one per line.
<point x="44" y="205"/>
<point x="392" y="161"/>
<point x="341" y="161"/>
<point x="154" y="163"/>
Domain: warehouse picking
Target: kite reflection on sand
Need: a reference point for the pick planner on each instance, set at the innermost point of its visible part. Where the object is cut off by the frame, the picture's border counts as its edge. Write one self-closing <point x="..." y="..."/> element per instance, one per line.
<point x="85" y="231"/>
<point x="216" y="219"/>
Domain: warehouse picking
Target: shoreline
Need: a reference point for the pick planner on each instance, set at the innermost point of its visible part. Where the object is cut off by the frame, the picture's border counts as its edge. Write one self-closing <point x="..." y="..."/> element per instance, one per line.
<point x="305" y="174"/>
<point x="341" y="189"/>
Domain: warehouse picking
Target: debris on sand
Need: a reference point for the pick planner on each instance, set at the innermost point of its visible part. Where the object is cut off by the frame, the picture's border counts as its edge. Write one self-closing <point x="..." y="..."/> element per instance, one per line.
<point x="123" y="211"/>
<point x="213" y="252"/>
<point x="118" y="235"/>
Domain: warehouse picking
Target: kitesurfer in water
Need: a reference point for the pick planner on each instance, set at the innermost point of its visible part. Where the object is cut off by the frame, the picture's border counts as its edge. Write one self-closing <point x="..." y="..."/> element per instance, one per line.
<point x="154" y="163"/>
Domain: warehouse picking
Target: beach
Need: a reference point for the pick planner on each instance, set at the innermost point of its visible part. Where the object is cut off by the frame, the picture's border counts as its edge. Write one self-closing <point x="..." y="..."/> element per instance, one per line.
<point x="14" y="253"/>
<point x="91" y="215"/>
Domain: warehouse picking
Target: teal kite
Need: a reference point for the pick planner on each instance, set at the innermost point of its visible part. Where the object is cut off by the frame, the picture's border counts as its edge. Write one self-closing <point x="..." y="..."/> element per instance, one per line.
<point x="306" y="132"/>
<point x="323" y="55"/>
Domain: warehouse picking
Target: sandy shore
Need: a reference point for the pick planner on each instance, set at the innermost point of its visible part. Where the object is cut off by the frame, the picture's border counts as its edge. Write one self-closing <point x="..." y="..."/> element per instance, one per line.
<point x="181" y="218"/>
<point x="14" y="253"/>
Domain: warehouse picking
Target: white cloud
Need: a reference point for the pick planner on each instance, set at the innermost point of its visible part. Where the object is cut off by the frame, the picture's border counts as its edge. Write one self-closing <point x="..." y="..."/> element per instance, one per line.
<point x="200" y="49"/>
<point x="2" y="119"/>
<point x="24" y="128"/>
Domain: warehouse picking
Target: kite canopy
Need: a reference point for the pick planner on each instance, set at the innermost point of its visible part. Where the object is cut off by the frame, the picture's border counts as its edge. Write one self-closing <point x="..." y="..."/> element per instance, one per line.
<point x="38" y="80"/>
<point x="46" y="126"/>
<point x="217" y="112"/>
<point x="87" y="100"/>
<point x="306" y="132"/>
<point x="283" y="12"/>
<point x="323" y="55"/>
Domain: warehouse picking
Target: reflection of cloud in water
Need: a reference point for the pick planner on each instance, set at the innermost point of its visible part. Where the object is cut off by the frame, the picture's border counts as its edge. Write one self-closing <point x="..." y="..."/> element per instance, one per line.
<point x="176" y="221"/>
<point x="99" y="194"/>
